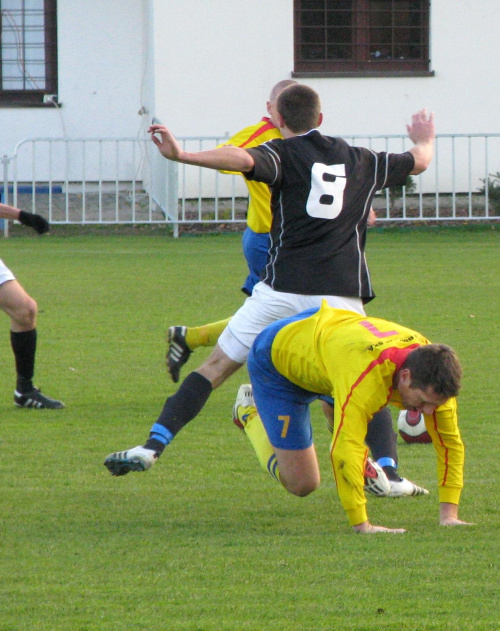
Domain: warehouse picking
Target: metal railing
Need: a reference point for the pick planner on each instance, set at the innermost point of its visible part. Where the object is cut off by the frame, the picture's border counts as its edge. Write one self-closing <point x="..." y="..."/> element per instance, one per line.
<point x="126" y="181"/>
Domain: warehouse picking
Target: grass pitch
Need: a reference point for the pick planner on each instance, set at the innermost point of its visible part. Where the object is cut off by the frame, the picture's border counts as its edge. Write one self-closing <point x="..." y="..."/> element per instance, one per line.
<point x="205" y="541"/>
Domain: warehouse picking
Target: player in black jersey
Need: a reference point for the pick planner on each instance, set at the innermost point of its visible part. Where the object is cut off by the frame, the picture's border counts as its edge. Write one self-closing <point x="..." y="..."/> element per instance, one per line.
<point x="322" y="190"/>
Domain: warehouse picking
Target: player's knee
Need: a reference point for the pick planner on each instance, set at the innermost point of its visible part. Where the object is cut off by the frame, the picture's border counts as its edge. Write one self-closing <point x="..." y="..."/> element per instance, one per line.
<point x="218" y="367"/>
<point x="301" y="487"/>
<point x="25" y="314"/>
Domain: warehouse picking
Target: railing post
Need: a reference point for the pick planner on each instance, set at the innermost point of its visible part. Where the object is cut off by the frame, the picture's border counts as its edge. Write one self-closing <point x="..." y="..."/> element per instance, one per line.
<point x="173" y="194"/>
<point x="5" y="195"/>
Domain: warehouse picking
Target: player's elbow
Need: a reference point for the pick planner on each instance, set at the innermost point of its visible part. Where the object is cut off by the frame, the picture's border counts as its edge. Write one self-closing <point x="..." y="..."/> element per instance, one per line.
<point x="247" y="163"/>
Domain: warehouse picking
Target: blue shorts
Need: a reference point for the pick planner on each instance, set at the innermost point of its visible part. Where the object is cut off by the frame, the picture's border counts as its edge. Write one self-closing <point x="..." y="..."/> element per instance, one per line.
<point x="283" y="406"/>
<point x="255" y="249"/>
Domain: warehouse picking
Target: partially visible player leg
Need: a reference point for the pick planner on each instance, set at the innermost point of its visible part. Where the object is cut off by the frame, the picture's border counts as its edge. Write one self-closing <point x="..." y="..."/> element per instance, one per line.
<point x="284" y="411"/>
<point x="22" y="310"/>
<point x="178" y="410"/>
<point x="246" y="417"/>
<point x="381" y="439"/>
<point x="299" y="470"/>
<point x="205" y="335"/>
<point x="382" y="442"/>
<point x="296" y="469"/>
<point x="182" y="340"/>
<point x="255" y="249"/>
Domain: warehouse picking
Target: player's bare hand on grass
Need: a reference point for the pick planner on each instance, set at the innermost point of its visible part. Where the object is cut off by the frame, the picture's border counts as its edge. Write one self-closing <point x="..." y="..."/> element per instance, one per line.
<point x="368" y="529"/>
<point x="456" y="522"/>
<point x="448" y="515"/>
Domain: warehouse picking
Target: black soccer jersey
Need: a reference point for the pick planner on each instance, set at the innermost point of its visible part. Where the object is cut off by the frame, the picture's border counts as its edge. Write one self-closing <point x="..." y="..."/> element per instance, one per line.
<point x="321" y="194"/>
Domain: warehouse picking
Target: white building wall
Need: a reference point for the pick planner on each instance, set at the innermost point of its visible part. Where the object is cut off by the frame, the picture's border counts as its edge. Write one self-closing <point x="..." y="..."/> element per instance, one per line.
<point x="216" y="61"/>
<point x="101" y="67"/>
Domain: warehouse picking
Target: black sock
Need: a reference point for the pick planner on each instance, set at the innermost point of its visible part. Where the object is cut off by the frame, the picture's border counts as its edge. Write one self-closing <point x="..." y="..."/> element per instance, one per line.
<point x="392" y="474"/>
<point x="178" y="410"/>
<point x="381" y="437"/>
<point x="24" y="348"/>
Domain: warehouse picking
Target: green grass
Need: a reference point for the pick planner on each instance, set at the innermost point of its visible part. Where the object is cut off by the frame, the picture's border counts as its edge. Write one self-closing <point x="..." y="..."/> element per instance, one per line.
<point x="205" y="541"/>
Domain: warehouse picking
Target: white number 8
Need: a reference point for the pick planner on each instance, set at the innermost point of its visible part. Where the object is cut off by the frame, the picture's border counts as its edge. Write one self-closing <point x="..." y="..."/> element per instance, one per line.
<point x="327" y="191"/>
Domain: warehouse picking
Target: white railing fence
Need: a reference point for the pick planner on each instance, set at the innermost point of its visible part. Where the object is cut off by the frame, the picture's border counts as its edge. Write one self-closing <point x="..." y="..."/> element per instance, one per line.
<point x="126" y="181"/>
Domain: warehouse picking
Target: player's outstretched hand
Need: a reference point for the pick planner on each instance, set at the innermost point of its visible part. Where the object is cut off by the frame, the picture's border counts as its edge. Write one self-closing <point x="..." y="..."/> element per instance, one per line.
<point x="166" y="143"/>
<point x="422" y="127"/>
<point x="368" y="529"/>
<point x="37" y="222"/>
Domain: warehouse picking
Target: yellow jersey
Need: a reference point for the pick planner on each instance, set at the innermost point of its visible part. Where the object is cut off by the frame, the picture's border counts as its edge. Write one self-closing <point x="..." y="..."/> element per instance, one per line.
<point x="354" y="358"/>
<point x="259" y="204"/>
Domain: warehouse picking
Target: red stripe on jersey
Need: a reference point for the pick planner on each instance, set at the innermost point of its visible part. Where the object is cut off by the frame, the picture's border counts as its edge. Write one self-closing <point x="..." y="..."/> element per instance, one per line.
<point x="446" y="463"/>
<point x="396" y="355"/>
<point x="258" y="132"/>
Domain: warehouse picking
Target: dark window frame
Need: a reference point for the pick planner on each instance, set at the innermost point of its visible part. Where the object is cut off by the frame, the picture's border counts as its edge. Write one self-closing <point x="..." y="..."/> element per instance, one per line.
<point x="35" y="97"/>
<point x="314" y="29"/>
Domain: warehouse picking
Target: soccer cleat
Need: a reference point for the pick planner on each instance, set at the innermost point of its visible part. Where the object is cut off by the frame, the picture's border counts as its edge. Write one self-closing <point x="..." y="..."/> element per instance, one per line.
<point x="244" y="400"/>
<point x="135" y="459"/>
<point x="35" y="399"/>
<point x="178" y="351"/>
<point x="376" y="481"/>
<point x="405" y="488"/>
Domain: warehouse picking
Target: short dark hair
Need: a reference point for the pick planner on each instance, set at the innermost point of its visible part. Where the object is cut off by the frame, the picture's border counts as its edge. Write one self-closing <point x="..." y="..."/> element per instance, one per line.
<point x="435" y="365"/>
<point x="300" y="107"/>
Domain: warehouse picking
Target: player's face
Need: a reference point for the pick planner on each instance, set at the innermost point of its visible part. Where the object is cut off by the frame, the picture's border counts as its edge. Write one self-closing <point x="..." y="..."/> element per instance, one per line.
<point x="416" y="399"/>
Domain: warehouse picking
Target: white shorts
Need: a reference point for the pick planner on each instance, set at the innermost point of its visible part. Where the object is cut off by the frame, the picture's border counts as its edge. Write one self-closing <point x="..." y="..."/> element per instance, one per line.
<point x="5" y="273"/>
<point x="264" y="307"/>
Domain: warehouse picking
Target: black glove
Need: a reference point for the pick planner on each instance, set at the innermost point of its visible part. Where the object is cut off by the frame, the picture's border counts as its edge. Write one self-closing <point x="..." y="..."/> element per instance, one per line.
<point x="37" y="222"/>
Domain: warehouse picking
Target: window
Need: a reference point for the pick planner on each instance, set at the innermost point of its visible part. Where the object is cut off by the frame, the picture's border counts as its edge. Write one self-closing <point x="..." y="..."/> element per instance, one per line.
<point x="28" y="51"/>
<point x="361" y="37"/>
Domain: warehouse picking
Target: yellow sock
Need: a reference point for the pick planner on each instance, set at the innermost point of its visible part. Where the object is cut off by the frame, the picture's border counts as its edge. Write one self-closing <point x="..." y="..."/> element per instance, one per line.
<point x="206" y="335"/>
<point x="256" y="433"/>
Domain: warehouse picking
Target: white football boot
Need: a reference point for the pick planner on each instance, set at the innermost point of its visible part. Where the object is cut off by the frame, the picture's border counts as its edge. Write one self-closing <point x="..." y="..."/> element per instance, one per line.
<point x="135" y="459"/>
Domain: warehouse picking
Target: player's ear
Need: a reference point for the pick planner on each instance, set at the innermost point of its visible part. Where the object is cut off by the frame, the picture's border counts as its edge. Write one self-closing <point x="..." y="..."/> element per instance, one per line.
<point x="405" y="376"/>
<point x="320" y="119"/>
<point x="281" y="121"/>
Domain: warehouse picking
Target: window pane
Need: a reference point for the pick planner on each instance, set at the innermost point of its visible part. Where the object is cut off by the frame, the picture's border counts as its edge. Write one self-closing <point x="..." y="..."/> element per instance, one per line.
<point x="361" y="34"/>
<point x="328" y="25"/>
<point x="395" y="31"/>
<point x="23" y="45"/>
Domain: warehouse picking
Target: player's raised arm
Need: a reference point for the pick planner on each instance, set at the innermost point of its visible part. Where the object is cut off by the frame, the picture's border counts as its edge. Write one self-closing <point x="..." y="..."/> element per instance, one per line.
<point x="422" y="134"/>
<point x="223" y="158"/>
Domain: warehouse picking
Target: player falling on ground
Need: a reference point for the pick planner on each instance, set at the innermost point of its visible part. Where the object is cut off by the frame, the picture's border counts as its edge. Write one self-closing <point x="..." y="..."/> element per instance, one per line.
<point x="364" y="363"/>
